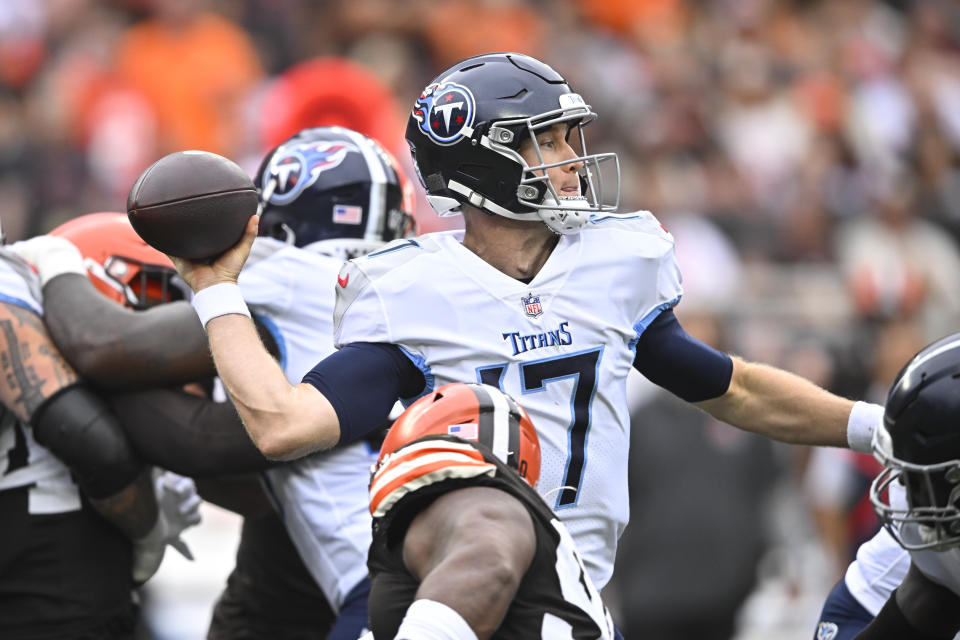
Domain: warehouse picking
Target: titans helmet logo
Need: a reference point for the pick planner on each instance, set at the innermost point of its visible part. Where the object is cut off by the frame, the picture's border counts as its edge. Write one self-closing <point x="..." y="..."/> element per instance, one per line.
<point x="445" y="112"/>
<point x="297" y="166"/>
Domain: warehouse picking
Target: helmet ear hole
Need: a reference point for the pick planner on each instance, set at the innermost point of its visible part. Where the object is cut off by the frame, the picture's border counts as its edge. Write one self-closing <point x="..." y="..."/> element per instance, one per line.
<point x="278" y="230"/>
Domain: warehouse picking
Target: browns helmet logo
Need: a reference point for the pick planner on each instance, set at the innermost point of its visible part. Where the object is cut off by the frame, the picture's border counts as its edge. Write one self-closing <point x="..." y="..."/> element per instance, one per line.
<point x="445" y="112"/>
<point x="298" y="166"/>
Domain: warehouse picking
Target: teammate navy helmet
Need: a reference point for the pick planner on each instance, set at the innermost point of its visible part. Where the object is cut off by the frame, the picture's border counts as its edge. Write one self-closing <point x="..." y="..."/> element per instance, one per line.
<point x="119" y="263"/>
<point x="919" y="444"/>
<point x="337" y="186"/>
<point x="475" y="412"/>
<point x="465" y="132"/>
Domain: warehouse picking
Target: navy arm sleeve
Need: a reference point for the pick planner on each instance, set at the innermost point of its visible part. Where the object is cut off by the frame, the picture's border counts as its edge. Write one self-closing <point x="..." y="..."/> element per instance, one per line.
<point x="671" y="358"/>
<point x="362" y="381"/>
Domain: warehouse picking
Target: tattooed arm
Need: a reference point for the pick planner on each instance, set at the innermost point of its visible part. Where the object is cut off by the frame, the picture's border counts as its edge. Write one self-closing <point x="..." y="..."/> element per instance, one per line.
<point x="42" y="390"/>
<point x="33" y="369"/>
<point x="120" y="349"/>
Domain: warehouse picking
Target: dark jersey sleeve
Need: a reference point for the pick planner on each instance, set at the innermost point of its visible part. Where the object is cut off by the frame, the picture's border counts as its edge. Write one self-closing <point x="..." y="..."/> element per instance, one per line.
<point x="188" y="434"/>
<point x="671" y="358"/>
<point x="362" y="381"/>
<point x="919" y="609"/>
<point x="892" y="624"/>
<point x="119" y="349"/>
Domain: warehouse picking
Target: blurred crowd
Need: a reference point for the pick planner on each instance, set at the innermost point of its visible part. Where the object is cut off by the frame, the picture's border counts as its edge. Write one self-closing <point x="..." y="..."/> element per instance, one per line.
<point x="805" y="155"/>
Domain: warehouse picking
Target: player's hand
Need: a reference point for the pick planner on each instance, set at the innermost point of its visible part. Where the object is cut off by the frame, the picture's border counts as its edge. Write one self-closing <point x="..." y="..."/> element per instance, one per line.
<point x="179" y="508"/>
<point x="51" y="256"/>
<point x="226" y="268"/>
<point x="179" y="502"/>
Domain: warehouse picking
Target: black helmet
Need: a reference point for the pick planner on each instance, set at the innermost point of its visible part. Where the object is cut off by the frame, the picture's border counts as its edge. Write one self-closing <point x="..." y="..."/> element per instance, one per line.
<point x="466" y="128"/>
<point x="337" y="186"/>
<point x="919" y="444"/>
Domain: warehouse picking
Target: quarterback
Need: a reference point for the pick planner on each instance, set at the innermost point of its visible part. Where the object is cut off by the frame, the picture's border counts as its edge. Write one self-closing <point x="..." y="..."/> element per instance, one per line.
<point x="548" y="294"/>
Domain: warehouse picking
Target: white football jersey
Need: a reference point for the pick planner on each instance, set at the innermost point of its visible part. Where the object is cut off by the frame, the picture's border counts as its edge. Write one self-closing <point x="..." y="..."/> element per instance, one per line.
<point x="23" y="462"/>
<point x="561" y="345"/>
<point x="323" y="497"/>
<point x="879" y="568"/>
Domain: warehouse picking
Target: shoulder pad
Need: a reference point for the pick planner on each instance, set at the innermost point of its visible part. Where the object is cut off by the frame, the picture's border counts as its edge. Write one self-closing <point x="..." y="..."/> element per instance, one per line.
<point x="392" y="254"/>
<point x="31" y="281"/>
<point x="638" y="221"/>
<point x="357" y="273"/>
<point x="422" y="464"/>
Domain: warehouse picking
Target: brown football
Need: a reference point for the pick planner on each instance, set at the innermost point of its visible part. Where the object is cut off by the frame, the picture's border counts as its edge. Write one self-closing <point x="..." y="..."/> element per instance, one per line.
<point x="192" y="204"/>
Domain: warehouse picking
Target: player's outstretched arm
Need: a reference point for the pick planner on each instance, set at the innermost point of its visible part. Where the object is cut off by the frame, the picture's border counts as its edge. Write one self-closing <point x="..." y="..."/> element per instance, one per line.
<point x="284" y="421"/>
<point x="120" y="349"/>
<point x="752" y="396"/>
<point x="470" y="549"/>
<point x="783" y="406"/>
<point x="108" y="344"/>
<point x="186" y="433"/>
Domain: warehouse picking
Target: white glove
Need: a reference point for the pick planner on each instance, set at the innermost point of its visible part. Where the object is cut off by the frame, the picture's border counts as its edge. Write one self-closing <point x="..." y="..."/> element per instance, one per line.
<point x="179" y="508"/>
<point x="51" y="256"/>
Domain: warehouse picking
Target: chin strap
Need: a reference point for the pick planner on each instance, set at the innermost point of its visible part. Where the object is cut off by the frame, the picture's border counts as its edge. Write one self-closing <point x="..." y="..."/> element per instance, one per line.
<point x="566" y="216"/>
<point x="482" y="202"/>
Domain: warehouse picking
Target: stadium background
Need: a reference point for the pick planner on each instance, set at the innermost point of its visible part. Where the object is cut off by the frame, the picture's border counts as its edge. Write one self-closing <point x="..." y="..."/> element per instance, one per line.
<point x="806" y="156"/>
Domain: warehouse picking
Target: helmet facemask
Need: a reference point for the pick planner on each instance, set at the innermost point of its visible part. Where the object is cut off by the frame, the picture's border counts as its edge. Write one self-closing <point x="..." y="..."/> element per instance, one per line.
<point x="599" y="174"/>
<point x="933" y="495"/>
<point x="537" y="197"/>
<point x="120" y="264"/>
<point x="136" y="284"/>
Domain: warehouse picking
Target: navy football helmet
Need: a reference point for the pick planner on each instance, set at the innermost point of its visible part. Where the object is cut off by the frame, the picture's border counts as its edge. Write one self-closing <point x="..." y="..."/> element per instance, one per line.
<point x="465" y="132"/>
<point x="334" y="186"/>
<point x="919" y="444"/>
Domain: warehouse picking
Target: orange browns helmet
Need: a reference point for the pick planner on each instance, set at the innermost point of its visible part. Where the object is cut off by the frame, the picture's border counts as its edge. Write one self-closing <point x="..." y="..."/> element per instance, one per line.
<point x="476" y="412"/>
<point x="121" y="265"/>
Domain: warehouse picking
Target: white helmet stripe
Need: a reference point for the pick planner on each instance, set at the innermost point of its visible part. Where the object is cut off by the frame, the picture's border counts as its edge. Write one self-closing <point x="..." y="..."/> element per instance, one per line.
<point x="501" y="426"/>
<point x="499" y="442"/>
<point x="376" y="208"/>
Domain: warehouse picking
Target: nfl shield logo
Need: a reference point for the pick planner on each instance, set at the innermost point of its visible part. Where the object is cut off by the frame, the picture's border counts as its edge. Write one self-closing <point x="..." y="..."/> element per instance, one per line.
<point x="827" y="631"/>
<point x="531" y="306"/>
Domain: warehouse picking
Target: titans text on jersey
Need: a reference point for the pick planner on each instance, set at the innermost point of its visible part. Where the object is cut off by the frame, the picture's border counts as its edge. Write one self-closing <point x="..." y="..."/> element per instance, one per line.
<point x="552" y="338"/>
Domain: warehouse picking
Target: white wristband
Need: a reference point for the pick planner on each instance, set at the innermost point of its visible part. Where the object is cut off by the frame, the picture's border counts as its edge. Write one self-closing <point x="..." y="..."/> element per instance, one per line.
<point x="219" y="300"/>
<point x="432" y="620"/>
<point x="864" y="419"/>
